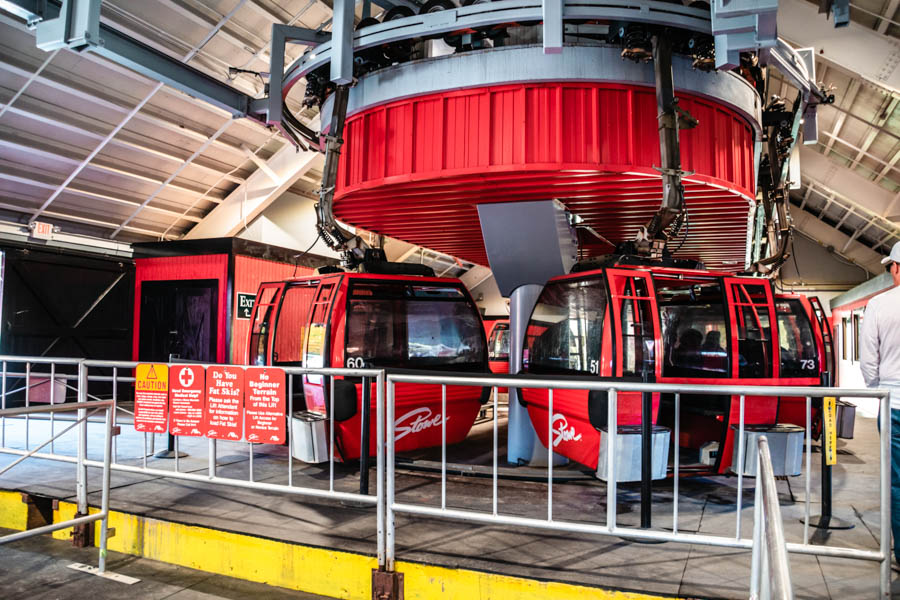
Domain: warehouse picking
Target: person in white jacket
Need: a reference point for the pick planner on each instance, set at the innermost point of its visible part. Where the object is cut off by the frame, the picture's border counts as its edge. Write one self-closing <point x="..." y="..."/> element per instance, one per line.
<point x="879" y="360"/>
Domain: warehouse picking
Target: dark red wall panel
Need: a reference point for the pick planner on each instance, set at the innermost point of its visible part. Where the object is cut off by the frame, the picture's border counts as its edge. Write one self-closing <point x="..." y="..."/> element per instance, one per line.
<point x="178" y="268"/>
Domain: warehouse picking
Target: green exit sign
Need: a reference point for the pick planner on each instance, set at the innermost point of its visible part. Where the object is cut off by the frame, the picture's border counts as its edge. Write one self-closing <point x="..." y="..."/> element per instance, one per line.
<point x="245" y="305"/>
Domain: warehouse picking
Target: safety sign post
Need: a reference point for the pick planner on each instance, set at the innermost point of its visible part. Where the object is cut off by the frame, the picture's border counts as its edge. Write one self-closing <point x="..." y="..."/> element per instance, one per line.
<point x="187" y="400"/>
<point x="265" y="405"/>
<point x="151" y="397"/>
<point x="224" y="403"/>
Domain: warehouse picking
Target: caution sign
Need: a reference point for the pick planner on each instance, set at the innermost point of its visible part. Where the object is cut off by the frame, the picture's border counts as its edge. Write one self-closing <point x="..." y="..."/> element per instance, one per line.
<point x="224" y="403"/>
<point x="265" y="405"/>
<point x="830" y="416"/>
<point x="187" y="400"/>
<point x="151" y="397"/>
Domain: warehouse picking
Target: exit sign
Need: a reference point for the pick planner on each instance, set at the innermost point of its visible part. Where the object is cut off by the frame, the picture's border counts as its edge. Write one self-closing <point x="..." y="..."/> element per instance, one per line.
<point x="244" y="308"/>
<point x="42" y="231"/>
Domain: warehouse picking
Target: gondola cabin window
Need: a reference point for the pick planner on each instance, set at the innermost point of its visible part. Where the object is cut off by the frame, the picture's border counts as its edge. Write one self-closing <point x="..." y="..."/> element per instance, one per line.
<point x="412" y="326"/>
<point x="498" y="344"/>
<point x="799" y="355"/>
<point x="566" y="329"/>
<point x="694" y="335"/>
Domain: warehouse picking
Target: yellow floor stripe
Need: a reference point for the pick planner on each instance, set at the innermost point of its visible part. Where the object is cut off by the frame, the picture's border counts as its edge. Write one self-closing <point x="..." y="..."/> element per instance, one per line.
<point x="331" y="573"/>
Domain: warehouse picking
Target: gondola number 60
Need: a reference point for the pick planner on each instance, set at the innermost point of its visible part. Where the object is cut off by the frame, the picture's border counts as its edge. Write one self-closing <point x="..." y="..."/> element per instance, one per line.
<point x="356" y="362"/>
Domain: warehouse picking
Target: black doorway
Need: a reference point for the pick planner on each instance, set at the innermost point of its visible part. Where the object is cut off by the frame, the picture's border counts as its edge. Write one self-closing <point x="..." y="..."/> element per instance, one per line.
<point x="179" y="318"/>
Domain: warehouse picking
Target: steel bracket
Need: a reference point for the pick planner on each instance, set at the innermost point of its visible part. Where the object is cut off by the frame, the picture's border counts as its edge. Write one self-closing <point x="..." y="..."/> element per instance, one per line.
<point x="77" y="27"/>
<point x="82" y="535"/>
<point x="387" y="585"/>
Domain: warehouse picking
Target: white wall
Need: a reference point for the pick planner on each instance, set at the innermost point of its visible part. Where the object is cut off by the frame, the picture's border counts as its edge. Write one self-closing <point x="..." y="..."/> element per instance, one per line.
<point x="289" y="222"/>
<point x="491" y="301"/>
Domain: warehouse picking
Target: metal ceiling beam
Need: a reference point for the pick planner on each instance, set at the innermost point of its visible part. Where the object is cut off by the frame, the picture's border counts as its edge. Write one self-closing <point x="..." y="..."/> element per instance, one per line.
<point x="849" y="184"/>
<point x="67" y="125"/>
<point x="243" y="44"/>
<point x="28" y="82"/>
<point x="126" y="51"/>
<point x="887" y="109"/>
<point x="86" y="193"/>
<point x="76" y="219"/>
<point x="186" y="58"/>
<point x="890" y="164"/>
<point x="847" y="102"/>
<point x="809" y="225"/>
<point x="171" y="177"/>
<point x="831" y="196"/>
<point x="35" y="147"/>
<point x="253" y="196"/>
<point x="68" y="88"/>
<point x="889" y="11"/>
<point x="855" y="49"/>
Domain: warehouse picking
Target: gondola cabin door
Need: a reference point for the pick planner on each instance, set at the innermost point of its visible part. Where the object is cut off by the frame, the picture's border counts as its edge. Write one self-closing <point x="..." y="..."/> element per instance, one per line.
<point x="755" y="357"/>
<point x="636" y="337"/>
<point x="317" y="347"/>
<point x="267" y="300"/>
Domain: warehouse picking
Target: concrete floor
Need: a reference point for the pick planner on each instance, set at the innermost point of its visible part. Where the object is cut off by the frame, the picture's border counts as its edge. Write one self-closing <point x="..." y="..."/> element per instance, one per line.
<point x="38" y="569"/>
<point x="707" y="506"/>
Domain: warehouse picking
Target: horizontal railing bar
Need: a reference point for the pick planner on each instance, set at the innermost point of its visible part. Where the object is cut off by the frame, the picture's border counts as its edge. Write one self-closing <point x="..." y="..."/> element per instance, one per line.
<point x="39" y="359"/>
<point x="61" y="407"/>
<point x="288" y="370"/>
<point x="255" y="485"/>
<point x="51" y="528"/>
<point x="637" y="534"/>
<point x="624" y="386"/>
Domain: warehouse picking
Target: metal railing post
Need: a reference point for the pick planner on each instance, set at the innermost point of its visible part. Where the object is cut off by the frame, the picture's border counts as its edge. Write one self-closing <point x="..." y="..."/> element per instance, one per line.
<point x="757" y="534"/>
<point x="364" y="436"/>
<point x="104" y="501"/>
<point x="81" y="467"/>
<point x="612" y="430"/>
<point x="886" y="426"/>
<point x="389" y="500"/>
<point x="379" y="470"/>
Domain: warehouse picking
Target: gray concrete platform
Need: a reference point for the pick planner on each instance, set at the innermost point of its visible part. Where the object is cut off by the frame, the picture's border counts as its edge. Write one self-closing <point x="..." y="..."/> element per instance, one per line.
<point x="38" y="569"/>
<point x="707" y="505"/>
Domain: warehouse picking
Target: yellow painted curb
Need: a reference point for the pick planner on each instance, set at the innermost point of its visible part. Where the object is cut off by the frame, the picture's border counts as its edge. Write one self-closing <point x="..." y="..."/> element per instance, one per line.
<point x="331" y="573"/>
<point x="13" y="512"/>
<point x="428" y="582"/>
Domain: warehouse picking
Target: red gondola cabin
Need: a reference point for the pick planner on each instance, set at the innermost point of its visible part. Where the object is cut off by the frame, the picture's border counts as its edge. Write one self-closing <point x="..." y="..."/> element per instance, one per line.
<point x="669" y="325"/>
<point x="359" y="320"/>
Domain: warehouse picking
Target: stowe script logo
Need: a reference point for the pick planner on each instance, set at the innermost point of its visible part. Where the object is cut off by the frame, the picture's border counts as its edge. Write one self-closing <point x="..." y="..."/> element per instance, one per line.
<point x="562" y="432"/>
<point x="415" y="421"/>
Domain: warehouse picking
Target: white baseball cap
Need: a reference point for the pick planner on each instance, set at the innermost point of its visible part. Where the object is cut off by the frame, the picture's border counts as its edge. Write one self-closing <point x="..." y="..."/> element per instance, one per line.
<point x="894" y="256"/>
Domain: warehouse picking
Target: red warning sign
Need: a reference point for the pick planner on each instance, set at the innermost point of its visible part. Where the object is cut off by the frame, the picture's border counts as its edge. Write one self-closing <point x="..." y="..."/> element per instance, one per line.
<point x="187" y="400"/>
<point x="224" y="403"/>
<point x="265" y="405"/>
<point x="151" y="397"/>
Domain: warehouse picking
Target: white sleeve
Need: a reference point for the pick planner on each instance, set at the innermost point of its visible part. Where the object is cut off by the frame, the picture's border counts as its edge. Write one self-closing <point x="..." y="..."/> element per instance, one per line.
<point x="869" y="356"/>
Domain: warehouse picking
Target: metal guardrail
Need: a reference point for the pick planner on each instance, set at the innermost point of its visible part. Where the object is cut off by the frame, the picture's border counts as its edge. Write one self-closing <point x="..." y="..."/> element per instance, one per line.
<point x="610" y="528"/>
<point x="385" y="497"/>
<point x="770" y="575"/>
<point x="85" y="409"/>
<point x="115" y="376"/>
